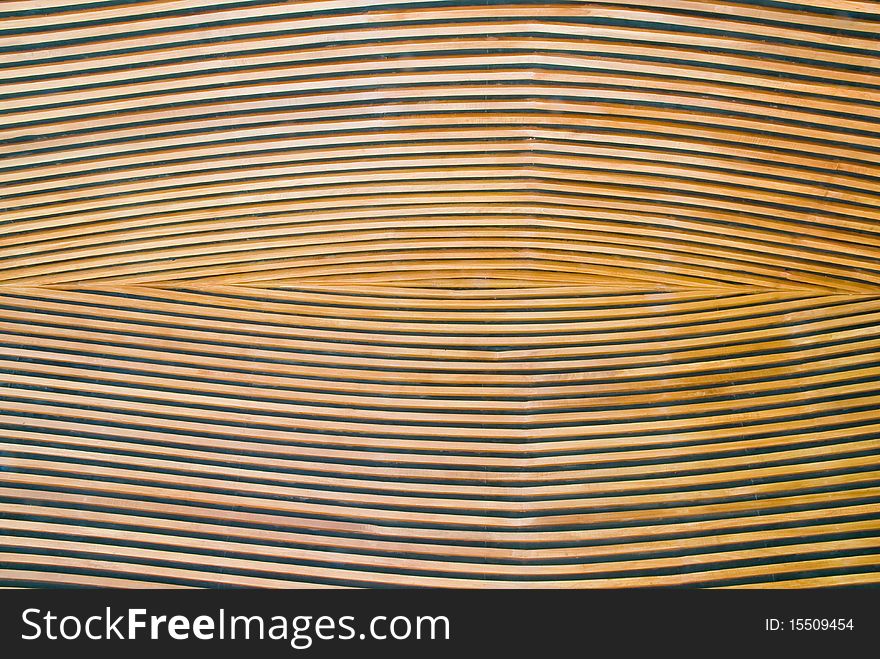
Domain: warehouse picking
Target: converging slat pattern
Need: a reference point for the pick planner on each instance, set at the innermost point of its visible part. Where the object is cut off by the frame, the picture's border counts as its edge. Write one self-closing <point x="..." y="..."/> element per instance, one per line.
<point x="507" y="294"/>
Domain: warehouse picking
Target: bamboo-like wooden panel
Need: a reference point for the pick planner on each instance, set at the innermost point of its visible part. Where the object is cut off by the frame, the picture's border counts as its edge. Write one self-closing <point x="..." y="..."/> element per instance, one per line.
<point x="334" y="293"/>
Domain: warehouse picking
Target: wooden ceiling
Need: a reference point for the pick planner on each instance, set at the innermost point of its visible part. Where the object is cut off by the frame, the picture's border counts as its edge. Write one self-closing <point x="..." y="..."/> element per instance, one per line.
<point x="475" y="294"/>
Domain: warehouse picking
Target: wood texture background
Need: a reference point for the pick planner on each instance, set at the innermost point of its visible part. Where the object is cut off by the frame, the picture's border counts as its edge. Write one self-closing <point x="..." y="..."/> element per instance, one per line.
<point x="495" y="294"/>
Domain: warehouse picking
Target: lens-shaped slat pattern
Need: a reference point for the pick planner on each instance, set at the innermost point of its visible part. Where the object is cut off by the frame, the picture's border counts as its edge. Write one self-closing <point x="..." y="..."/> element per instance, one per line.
<point x="505" y="294"/>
